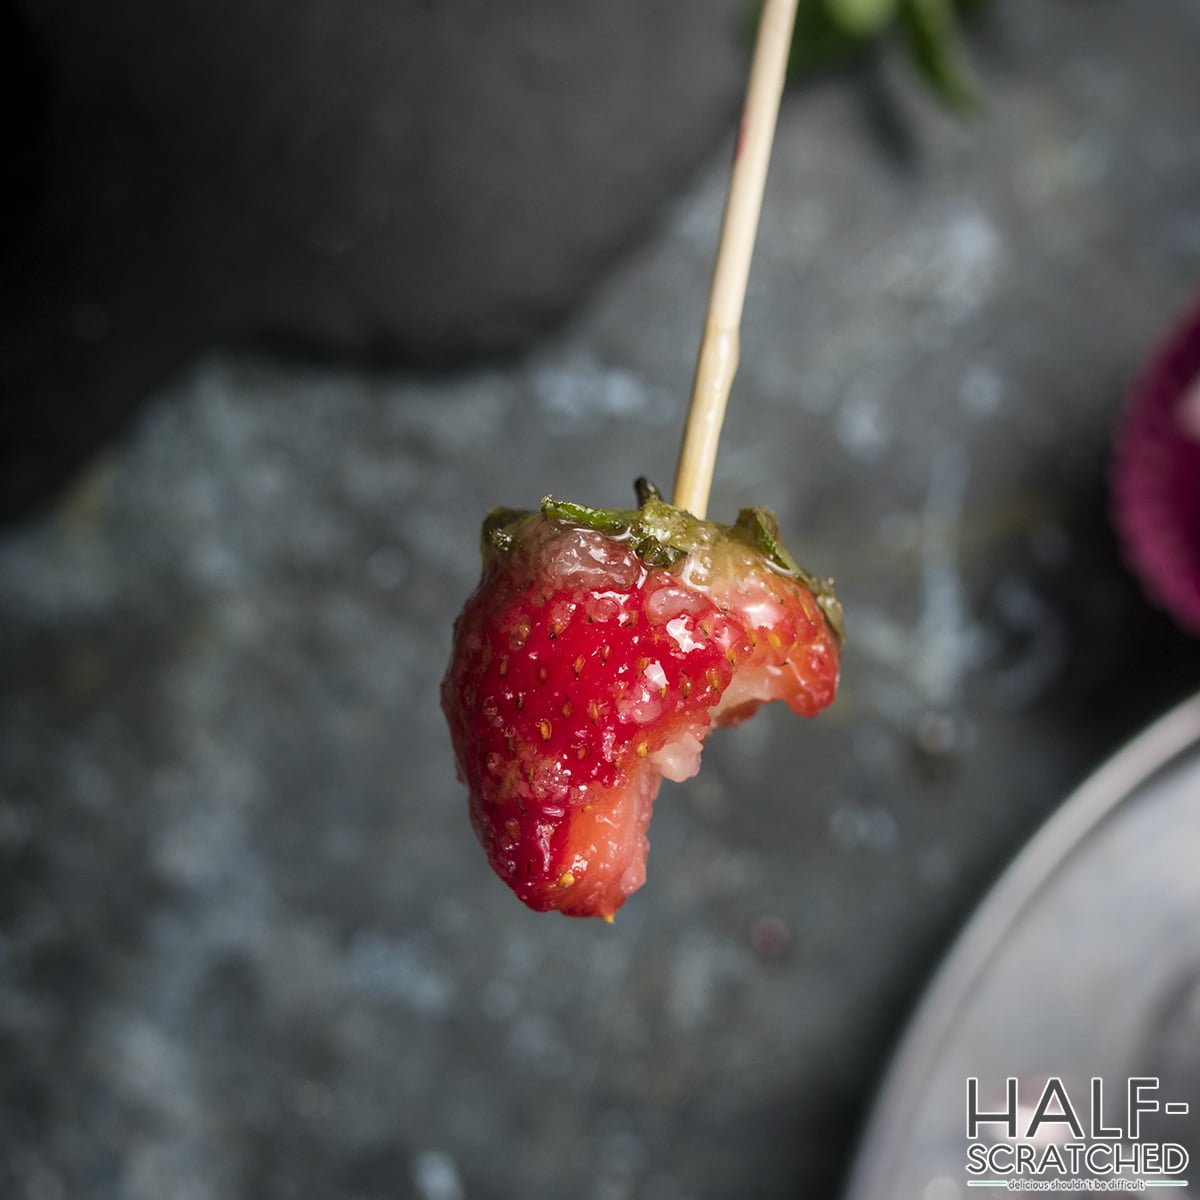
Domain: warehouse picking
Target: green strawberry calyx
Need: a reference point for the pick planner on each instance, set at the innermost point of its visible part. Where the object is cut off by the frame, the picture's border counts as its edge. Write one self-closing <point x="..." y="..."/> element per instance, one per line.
<point x="663" y="536"/>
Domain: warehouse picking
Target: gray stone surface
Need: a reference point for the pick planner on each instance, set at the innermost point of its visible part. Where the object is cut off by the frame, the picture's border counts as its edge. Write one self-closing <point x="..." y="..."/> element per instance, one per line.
<point x="415" y="182"/>
<point x="248" y="946"/>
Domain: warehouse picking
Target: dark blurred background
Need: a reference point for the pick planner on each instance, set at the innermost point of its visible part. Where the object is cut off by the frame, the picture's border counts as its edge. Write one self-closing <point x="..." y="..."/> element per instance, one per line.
<point x="290" y="295"/>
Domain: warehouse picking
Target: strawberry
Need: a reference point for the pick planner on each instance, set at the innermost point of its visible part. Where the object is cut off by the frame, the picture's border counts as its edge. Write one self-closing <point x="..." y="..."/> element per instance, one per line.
<point x="592" y="660"/>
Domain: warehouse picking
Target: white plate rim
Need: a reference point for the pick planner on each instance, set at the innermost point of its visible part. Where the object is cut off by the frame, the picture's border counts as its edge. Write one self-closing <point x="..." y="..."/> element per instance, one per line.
<point x="1083" y="812"/>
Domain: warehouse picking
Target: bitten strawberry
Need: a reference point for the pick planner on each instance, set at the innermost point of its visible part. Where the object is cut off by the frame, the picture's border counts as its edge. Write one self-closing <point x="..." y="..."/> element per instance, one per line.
<point x="597" y="652"/>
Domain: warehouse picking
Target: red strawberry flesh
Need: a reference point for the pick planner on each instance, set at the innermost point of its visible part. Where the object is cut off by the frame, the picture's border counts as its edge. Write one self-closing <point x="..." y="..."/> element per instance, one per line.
<point x="582" y="674"/>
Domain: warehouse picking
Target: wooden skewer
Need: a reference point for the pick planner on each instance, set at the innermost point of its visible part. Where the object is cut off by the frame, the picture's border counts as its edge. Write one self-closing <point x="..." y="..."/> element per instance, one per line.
<point x="718" y="358"/>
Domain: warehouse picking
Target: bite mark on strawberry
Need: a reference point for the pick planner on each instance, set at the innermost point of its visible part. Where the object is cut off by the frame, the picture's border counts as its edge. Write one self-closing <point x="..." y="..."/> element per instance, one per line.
<point x="592" y="660"/>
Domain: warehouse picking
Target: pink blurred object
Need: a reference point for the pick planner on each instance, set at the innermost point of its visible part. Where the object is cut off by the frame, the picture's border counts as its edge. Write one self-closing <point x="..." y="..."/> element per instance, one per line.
<point x="1156" y="475"/>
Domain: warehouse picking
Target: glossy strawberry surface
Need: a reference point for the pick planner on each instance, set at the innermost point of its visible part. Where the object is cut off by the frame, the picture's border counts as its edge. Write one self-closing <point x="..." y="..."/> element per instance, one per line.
<point x="582" y="674"/>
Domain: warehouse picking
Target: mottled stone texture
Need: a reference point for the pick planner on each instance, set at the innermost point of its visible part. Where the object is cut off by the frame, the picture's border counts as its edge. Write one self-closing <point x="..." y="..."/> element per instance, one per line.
<point x="248" y="946"/>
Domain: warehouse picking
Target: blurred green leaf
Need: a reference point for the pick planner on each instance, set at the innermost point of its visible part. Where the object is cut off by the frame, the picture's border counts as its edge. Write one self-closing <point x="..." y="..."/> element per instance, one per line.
<point x="819" y="42"/>
<point x="833" y="33"/>
<point x="931" y="29"/>
<point x="862" y="18"/>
